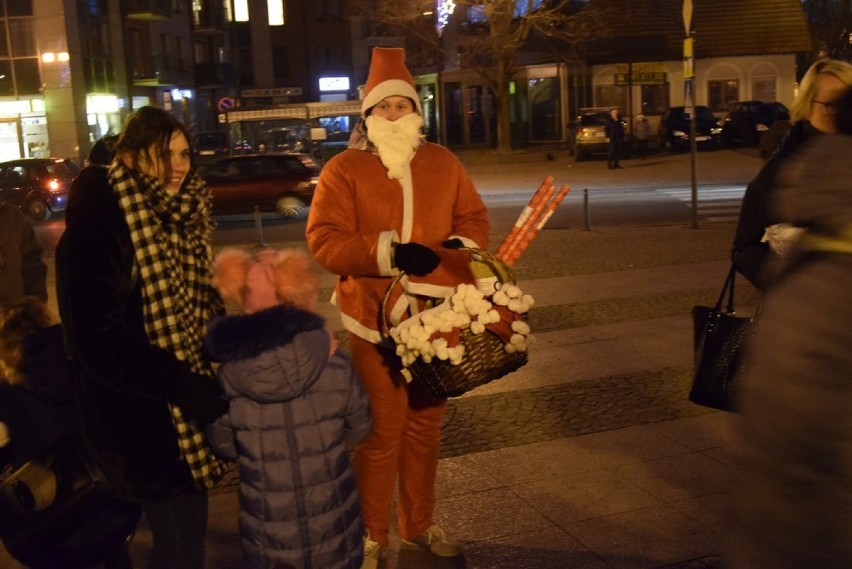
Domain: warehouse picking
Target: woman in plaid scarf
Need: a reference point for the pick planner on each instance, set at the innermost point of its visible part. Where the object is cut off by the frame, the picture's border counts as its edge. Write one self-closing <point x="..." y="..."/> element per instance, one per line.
<point x="135" y="297"/>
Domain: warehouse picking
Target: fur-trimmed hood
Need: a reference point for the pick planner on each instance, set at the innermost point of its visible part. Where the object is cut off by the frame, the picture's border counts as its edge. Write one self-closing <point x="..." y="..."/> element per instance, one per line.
<point x="271" y="355"/>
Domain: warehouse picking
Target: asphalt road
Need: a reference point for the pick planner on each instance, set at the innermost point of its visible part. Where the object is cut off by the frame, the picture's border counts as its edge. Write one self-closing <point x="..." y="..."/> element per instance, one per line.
<point x="643" y="192"/>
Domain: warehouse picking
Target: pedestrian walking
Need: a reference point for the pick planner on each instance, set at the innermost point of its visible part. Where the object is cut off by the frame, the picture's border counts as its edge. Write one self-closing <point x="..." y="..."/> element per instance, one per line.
<point x="22" y="270"/>
<point x="614" y="130"/>
<point x="641" y="133"/>
<point x="135" y="297"/>
<point x="296" y="409"/>
<point x="793" y="496"/>
<point x="812" y="114"/>
<point x="384" y="205"/>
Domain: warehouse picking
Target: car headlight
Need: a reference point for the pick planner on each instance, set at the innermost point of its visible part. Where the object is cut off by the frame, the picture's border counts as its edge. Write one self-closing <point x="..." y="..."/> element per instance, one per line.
<point x="679" y="134"/>
<point x="716" y="130"/>
<point x="761" y="127"/>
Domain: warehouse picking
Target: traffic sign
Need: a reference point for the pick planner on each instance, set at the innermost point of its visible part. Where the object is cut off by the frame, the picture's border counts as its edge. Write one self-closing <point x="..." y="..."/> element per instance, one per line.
<point x="226" y="104"/>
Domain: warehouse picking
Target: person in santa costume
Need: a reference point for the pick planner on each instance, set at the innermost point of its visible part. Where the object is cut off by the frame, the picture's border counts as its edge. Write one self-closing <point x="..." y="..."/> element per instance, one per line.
<point x="393" y="202"/>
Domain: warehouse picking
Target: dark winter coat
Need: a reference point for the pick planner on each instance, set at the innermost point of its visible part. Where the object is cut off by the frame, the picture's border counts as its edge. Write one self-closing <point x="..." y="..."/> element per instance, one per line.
<point x="795" y="492"/>
<point x="22" y="270"/>
<point x="40" y="414"/>
<point x="750" y="255"/>
<point x="294" y="414"/>
<point x="124" y="381"/>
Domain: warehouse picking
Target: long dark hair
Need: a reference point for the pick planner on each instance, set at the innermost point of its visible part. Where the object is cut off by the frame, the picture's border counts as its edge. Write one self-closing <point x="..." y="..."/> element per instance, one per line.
<point x="147" y="127"/>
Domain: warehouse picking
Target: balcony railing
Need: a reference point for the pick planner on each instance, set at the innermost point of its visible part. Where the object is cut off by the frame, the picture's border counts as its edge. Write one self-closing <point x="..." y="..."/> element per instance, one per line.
<point x="211" y="74"/>
<point x="154" y="71"/>
<point x="148" y="10"/>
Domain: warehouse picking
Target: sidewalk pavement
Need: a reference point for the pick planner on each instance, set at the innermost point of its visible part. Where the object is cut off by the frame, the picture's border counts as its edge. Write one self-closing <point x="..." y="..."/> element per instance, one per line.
<point x="591" y="456"/>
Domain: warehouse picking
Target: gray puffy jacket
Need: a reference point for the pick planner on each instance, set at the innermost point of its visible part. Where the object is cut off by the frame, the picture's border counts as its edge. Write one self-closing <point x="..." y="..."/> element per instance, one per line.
<point x="294" y="414"/>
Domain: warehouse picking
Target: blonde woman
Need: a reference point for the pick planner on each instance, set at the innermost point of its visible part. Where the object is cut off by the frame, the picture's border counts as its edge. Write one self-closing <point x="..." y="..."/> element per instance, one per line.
<point x="813" y="113"/>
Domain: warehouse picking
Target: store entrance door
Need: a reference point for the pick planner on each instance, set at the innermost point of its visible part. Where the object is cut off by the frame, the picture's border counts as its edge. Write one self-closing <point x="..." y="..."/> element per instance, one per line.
<point x="10" y="140"/>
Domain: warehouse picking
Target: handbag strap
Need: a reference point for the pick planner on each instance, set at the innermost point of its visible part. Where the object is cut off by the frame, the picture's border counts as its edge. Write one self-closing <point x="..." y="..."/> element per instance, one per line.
<point x="729" y="288"/>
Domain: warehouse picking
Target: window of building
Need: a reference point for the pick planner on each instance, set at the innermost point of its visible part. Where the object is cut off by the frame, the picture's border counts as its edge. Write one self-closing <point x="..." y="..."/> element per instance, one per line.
<point x="763" y="89"/>
<point x="27" y="77"/>
<point x="7" y="85"/>
<point x="611" y="96"/>
<point x="19" y="7"/>
<point x="181" y="62"/>
<point x="276" y="12"/>
<point x="721" y="93"/>
<point x="22" y="35"/>
<point x="280" y="62"/>
<point x="655" y="99"/>
<point x="19" y="65"/>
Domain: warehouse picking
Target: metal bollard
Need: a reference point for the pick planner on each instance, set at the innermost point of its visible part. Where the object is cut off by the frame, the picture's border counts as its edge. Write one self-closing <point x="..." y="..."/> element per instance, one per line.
<point x="258" y="224"/>
<point x="587" y="217"/>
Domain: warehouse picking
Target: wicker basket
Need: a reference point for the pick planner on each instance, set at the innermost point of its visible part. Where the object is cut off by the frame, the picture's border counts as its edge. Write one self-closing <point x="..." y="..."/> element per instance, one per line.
<point x="484" y="360"/>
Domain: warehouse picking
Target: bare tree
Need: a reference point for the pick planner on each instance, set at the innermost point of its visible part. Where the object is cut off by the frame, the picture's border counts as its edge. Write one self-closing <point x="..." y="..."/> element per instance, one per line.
<point x="489" y="44"/>
<point x="830" y="21"/>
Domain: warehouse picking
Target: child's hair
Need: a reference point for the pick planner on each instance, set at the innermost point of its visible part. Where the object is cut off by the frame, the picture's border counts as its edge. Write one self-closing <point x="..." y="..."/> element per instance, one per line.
<point x="19" y="319"/>
<point x="274" y="277"/>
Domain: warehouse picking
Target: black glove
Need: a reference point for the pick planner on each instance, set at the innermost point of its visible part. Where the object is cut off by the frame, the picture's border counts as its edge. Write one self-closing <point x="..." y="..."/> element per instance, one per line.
<point x="199" y="397"/>
<point x="454" y="243"/>
<point x="415" y="259"/>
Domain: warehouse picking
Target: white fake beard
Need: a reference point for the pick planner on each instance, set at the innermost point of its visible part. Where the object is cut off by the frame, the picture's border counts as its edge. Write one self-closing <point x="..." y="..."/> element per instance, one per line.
<point x="396" y="141"/>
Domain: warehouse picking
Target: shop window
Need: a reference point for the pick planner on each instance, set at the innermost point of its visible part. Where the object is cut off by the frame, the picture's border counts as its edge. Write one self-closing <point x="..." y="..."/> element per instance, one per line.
<point x="543" y="96"/>
<point x="721" y="93"/>
<point x="655" y="99"/>
<point x="611" y="96"/>
<point x="763" y="89"/>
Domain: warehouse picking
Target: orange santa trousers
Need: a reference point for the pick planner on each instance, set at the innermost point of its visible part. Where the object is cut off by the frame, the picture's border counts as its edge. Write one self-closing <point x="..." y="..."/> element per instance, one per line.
<point x="406" y="443"/>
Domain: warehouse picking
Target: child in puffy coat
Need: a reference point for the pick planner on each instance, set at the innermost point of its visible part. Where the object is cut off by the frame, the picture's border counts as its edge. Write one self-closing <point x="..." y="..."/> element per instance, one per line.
<point x="296" y="409"/>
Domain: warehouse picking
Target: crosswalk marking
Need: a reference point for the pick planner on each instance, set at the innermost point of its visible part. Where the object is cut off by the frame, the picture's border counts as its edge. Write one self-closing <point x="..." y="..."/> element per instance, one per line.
<point x="715" y="203"/>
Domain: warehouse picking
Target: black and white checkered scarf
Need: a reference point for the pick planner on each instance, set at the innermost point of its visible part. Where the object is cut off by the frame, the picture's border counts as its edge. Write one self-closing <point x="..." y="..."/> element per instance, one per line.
<point x="171" y="234"/>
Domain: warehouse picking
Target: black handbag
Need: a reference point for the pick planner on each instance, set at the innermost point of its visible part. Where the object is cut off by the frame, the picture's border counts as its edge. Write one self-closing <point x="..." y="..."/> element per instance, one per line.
<point x="54" y="513"/>
<point x="719" y="337"/>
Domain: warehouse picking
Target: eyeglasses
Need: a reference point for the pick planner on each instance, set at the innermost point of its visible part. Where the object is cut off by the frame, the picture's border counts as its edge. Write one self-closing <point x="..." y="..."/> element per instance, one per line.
<point x="831" y="107"/>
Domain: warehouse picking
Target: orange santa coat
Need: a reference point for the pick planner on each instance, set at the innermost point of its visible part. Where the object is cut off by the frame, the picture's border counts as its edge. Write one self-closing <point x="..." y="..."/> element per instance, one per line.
<point x="358" y="212"/>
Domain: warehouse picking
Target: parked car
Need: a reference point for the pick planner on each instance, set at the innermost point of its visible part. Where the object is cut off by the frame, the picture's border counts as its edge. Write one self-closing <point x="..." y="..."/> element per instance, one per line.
<point x="283" y="183"/>
<point x="39" y="186"/>
<point x="209" y="146"/>
<point x="588" y="133"/>
<point x="748" y="121"/>
<point x="675" y="127"/>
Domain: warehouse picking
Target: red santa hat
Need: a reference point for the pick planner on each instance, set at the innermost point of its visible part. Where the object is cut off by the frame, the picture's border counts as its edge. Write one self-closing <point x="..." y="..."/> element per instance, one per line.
<point x="388" y="77"/>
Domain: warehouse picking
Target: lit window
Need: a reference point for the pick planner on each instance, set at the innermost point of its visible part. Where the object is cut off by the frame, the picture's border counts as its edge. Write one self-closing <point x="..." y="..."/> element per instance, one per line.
<point x="276" y="12"/>
<point x="241" y="11"/>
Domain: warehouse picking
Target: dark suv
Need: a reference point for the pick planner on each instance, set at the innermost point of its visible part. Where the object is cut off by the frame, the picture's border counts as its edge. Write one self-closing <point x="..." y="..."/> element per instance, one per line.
<point x="282" y="183"/>
<point x="748" y="121"/>
<point x="675" y="126"/>
<point x="39" y="186"/>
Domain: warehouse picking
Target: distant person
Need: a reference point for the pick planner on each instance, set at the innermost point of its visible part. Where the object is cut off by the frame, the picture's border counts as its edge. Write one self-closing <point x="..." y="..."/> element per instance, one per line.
<point x="297" y="408"/>
<point x="614" y="130"/>
<point x="102" y="152"/>
<point x="641" y="133"/>
<point x="37" y="413"/>
<point x="22" y="270"/>
<point x="135" y="295"/>
<point x="812" y="114"/>
<point x="794" y="496"/>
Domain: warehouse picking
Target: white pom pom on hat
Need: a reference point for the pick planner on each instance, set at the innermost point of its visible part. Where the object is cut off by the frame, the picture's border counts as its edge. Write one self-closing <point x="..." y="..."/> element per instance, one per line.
<point x="388" y="77"/>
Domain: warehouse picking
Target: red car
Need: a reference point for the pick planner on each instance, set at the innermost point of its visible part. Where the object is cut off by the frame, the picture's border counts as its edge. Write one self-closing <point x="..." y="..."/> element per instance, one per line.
<point x="283" y="183"/>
